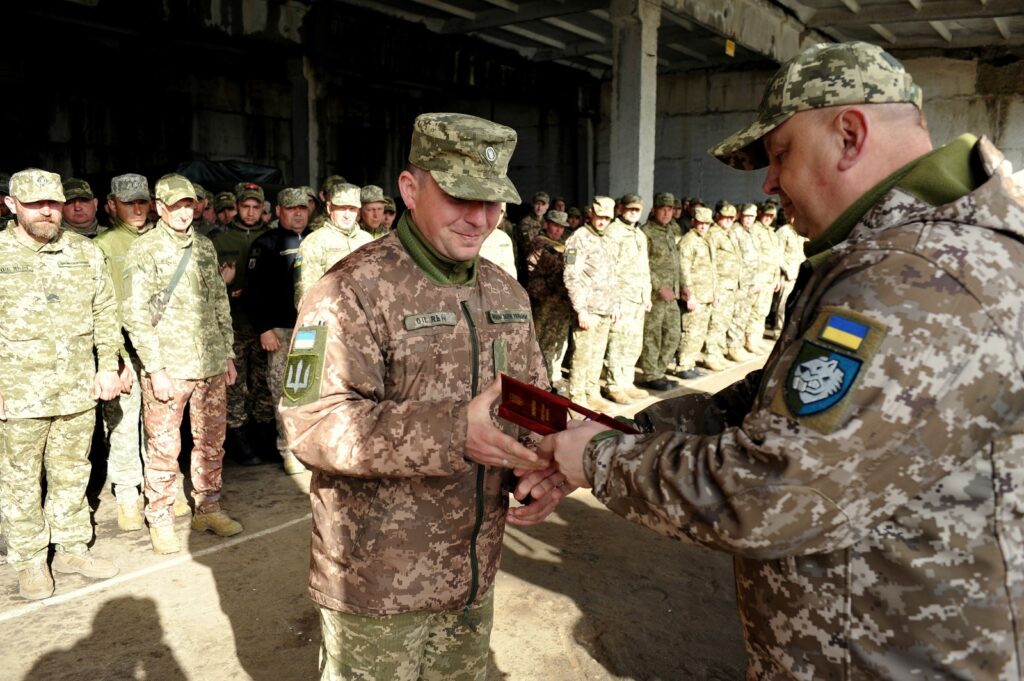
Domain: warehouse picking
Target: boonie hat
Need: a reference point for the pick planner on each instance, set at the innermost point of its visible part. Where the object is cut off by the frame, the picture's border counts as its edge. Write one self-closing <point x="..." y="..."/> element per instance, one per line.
<point x="574" y="212"/>
<point x="820" y="76"/>
<point x="172" y="188"/>
<point x="130" y="187"/>
<point x="75" y="188"/>
<point x="603" y="206"/>
<point x="289" y="197"/>
<point x="33" y="184"/>
<point x="344" y="194"/>
<point x="558" y="217"/>
<point x="726" y="209"/>
<point x="467" y="156"/>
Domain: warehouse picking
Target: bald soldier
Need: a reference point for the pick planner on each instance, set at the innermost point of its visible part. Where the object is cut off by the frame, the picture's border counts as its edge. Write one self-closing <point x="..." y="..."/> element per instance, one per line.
<point x="58" y="306"/>
<point x="386" y="401"/>
<point x="869" y="481"/>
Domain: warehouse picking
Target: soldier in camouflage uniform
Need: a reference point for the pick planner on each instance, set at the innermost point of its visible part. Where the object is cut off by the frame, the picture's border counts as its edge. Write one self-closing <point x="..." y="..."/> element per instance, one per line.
<point x="203" y="204"/>
<point x="391" y="353"/>
<point x="339" y="236"/>
<point x="390" y="213"/>
<point x="5" y="215"/>
<point x="250" y="408"/>
<point x="791" y="246"/>
<point x="371" y="211"/>
<point x="530" y="225"/>
<point x="633" y="292"/>
<point x="224" y="205"/>
<point x="661" y="326"/>
<point x="767" y="279"/>
<point x="181" y="327"/>
<point x="589" y="259"/>
<point x="575" y="218"/>
<point x="58" y="305"/>
<point x="552" y="311"/>
<point x="80" y="209"/>
<point x="869" y="481"/>
<point x="727" y="274"/>
<point x="699" y="283"/>
<point x="747" y="289"/>
<point x="320" y="215"/>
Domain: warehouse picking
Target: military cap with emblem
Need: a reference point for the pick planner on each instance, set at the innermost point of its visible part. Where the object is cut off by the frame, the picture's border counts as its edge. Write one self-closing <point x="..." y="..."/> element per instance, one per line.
<point x="702" y="214"/>
<point x="541" y="196"/>
<point x="820" y="76"/>
<point x="631" y="201"/>
<point x="249" y="190"/>
<point x="172" y="188"/>
<point x="664" y="199"/>
<point x="345" y="194"/>
<point x="223" y="200"/>
<point x="389" y="205"/>
<point x="371" y="193"/>
<point x="290" y="197"/>
<point x="75" y="188"/>
<point x="32" y="184"/>
<point x="467" y="156"/>
<point x="603" y="206"/>
<point x="5" y="184"/>
<point x="130" y="187"/>
<point x="558" y="217"/>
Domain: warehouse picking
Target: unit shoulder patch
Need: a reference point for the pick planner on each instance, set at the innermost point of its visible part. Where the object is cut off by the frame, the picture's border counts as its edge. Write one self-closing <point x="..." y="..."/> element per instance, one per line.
<point x="304" y="369"/>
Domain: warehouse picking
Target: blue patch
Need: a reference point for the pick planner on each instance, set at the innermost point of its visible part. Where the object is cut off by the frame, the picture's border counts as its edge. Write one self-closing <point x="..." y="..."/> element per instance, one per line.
<point x="819" y="379"/>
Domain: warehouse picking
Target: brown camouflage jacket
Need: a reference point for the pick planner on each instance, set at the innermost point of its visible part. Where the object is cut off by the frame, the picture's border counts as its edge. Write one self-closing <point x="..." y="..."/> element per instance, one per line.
<point x="381" y="421"/>
<point x="871" y="483"/>
<point x="545" y="266"/>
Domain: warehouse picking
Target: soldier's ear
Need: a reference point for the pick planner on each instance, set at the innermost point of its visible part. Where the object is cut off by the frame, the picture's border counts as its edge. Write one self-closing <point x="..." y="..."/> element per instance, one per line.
<point x="408" y="187"/>
<point x="11" y="205"/>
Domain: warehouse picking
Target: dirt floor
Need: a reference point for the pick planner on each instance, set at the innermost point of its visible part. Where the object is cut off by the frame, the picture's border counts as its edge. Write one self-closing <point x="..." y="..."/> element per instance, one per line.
<point x="585" y="595"/>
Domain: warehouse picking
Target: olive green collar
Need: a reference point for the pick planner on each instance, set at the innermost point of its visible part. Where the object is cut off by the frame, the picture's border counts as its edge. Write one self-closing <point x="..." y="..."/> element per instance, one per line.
<point x="438" y="268"/>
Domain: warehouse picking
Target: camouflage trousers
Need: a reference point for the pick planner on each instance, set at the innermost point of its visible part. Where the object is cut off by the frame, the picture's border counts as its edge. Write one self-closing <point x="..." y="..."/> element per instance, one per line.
<point x="625" y="343"/>
<point x="786" y="289"/>
<point x="661" y="338"/>
<point x="208" y="414"/>
<point x="122" y="425"/>
<point x="57" y="446"/>
<point x="759" y="309"/>
<point x="250" y="395"/>
<point x="414" y="646"/>
<point x="276" y="362"/>
<point x="588" y="358"/>
<point x="552" y="318"/>
<point x="742" y="303"/>
<point x="696" y="325"/>
<point x="721" y="317"/>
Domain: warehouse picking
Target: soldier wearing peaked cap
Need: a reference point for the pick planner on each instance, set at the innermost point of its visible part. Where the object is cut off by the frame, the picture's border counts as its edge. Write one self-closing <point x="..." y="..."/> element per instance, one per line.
<point x="552" y="311"/>
<point x="58" y="306"/>
<point x="868" y="481"/>
<point x="224" y="208"/>
<point x="80" y="209"/>
<point x="338" y="237"/>
<point x="320" y="217"/>
<point x="387" y="397"/>
<point x="389" y="212"/>
<point x="662" y="324"/>
<point x="371" y="211"/>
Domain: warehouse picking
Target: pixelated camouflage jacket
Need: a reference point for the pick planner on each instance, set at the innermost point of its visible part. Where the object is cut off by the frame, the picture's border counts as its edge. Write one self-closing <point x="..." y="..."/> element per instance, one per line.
<point x="321" y="249"/>
<point x="394" y="498"/>
<point x="770" y="260"/>
<point x="589" y="262"/>
<point x="546" y="266"/>
<point x="727" y="257"/>
<point x="193" y="338"/>
<point x="750" y="257"/>
<point x="632" y="269"/>
<point x="792" y="246"/>
<point x="697" y="272"/>
<point x="881" y="537"/>
<point x="663" y="256"/>
<point x="58" y="304"/>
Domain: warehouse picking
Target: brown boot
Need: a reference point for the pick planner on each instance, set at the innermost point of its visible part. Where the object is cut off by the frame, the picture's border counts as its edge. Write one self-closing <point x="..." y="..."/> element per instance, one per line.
<point x="618" y="397"/>
<point x="129" y="515"/>
<point x="738" y="354"/>
<point x="35" y="583"/>
<point x="716" y="363"/>
<point x="218" y="522"/>
<point x="164" y="540"/>
<point x="595" y="403"/>
<point x="83" y="564"/>
<point x="637" y="393"/>
<point x="292" y="466"/>
<point x="181" y="507"/>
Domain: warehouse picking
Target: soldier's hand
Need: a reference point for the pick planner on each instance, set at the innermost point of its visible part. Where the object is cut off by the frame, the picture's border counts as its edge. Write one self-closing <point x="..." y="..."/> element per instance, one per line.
<point x="3" y="409"/>
<point x="583" y="319"/>
<point x="667" y="294"/>
<point x="125" y="375"/>
<point x="163" y="386"/>
<point x="227" y="272"/>
<point x="106" y="385"/>
<point x="269" y="341"/>
<point x="567" y="449"/>
<point x="691" y="305"/>
<point x="548" y="488"/>
<point x="232" y="372"/>
<point x="486" y="444"/>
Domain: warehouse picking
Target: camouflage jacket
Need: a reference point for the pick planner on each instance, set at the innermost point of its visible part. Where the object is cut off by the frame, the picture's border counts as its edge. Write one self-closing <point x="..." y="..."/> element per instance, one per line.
<point x="698" y="277"/>
<point x="382" y="230"/>
<point x="58" y="304"/>
<point x="870" y="482"/>
<point x="381" y="421"/>
<point x="546" y="267"/>
<point x="589" y="259"/>
<point x="770" y="262"/>
<point x="750" y="256"/>
<point x="727" y="257"/>
<point x="193" y="338"/>
<point x="792" y="248"/>
<point x="321" y="249"/>
<point x="632" y="269"/>
<point x="232" y="246"/>
<point x="663" y="256"/>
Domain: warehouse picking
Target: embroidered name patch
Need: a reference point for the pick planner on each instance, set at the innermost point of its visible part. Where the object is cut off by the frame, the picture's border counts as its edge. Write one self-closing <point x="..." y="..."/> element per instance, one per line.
<point x="304" y="369"/>
<point x="428" y="319"/>
<point x="14" y="269"/>
<point x="508" y="316"/>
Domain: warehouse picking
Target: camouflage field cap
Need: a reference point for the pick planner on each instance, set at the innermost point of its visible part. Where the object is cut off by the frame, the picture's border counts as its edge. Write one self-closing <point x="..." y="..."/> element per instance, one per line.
<point x="309" y="192"/>
<point x="603" y="206"/>
<point x="389" y="205"/>
<point x="249" y="190"/>
<point x="748" y="209"/>
<point x="5" y="183"/>
<point x="467" y="156"/>
<point x="223" y="200"/>
<point x="574" y="212"/>
<point x="541" y="196"/>
<point x="329" y="183"/>
<point x="290" y="197"/>
<point x="678" y="203"/>
<point x="631" y="201"/>
<point x="201" y="193"/>
<point x="172" y="188"/>
<point x="769" y="208"/>
<point x="344" y="194"/>
<point x="558" y="217"/>
<point x="726" y="209"/>
<point x="31" y="185"/>
<point x="130" y="187"/>
<point x="820" y="76"/>
<point x="702" y="214"/>
<point x="75" y="188"/>
<point x="664" y="199"/>
<point x="371" y="193"/>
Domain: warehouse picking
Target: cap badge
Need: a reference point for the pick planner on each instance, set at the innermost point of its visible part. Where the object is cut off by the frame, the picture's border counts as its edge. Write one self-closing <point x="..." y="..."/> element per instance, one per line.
<point x="490" y="155"/>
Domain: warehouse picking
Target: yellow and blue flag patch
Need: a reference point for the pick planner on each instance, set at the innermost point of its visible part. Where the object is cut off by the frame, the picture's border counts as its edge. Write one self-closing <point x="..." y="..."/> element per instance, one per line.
<point x="844" y="331"/>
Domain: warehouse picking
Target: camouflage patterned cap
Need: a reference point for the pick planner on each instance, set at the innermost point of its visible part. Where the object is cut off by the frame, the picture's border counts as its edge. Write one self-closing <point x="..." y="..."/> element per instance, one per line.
<point x="5" y="183"/>
<point x="677" y="203"/>
<point x="130" y="187"/>
<point x="223" y="200"/>
<point x="769" y="208"/>
<point x="702" y="214"/>
<point x="664" y="199"/>
<point x="172" y="188"/>
<point x="467" y="156"/>
<point x="290" y="197"/>
<point x="727" y="210"/>
<point x="201" y="193"/>
<point x="748" y="209"/>
<point x="309" y="192"/>
<point x="31" y="185"/>
<point x="574" y="212"/>
<point x="558" y="217"/>
<point x="329" y="183"/>
<point x="75" y="188"/>
<point x="541" y="196"/>
<point x="371" y="193"/>
<point x="820" y="76"/>
<point x="249" y="190"/>
<point x="603" y="206"/>
<point x="344" y="194"/>
<point x="389" y="205"/>
<point x="631" y="201"/>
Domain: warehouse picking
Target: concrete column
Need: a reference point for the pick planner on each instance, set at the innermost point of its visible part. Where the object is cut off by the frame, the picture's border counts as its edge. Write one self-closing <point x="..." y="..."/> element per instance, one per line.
<point x="300" y="123"/>
<point x="313" y="151"/>
<point x="634" y="96"/>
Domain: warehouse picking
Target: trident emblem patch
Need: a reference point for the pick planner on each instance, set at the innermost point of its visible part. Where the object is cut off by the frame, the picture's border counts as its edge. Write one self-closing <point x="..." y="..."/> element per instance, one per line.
<point x="304" y="368"/>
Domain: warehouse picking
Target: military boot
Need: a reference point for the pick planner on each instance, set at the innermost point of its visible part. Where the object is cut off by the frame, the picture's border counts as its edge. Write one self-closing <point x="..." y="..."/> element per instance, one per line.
<point x="35" y="583"/>
<point x="637" y="393"/>
<point x="716" y="363"/>
<point x="596" y="403"/>
<point x="181" y="507"/>
<point x="292" y="466"/>
<point x="738" y="354"/>
<point x="129" y="514"/>
<point x="83" y="564"/>
<point x="238" y="446"/>
<point x="617" y="396"/>
<point x="218" y="522"/>
<point x="164" y="540"/>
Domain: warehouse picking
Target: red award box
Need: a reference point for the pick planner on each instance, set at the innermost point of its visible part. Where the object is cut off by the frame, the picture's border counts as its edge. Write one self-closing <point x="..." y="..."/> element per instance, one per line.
<point x="544" y="412"/>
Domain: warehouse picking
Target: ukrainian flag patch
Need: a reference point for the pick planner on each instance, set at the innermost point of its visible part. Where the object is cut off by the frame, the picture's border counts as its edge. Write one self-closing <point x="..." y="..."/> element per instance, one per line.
<point x="844" y="332"/>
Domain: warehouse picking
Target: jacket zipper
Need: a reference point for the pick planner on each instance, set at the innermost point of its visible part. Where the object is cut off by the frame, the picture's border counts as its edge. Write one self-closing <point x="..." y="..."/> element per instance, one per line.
<point x="474" y="563"/>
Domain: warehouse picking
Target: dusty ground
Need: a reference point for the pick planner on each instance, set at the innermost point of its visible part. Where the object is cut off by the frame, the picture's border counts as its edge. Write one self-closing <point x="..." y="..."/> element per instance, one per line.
<point x="586" y="595"/>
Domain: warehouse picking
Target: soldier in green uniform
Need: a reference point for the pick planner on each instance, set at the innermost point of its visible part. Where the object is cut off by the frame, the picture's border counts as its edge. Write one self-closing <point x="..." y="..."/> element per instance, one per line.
<point x="371" y="211"/>
<point x="177" y="317"/>
<point x="320" y="213"/>
<point x="575" y="218"/>
<point x="58" y="305"/>
<point x="390" y="212"/>
<point x="661" y="325"/>
<point x="699" y="283"/>
<point x="338" y="237"/>
<point x="530" y="225"/>
<point x="80" y="209"/>
<point x="552" y="311"/>
<point x="727" y="273"/>
<point x="204" y="203"/>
